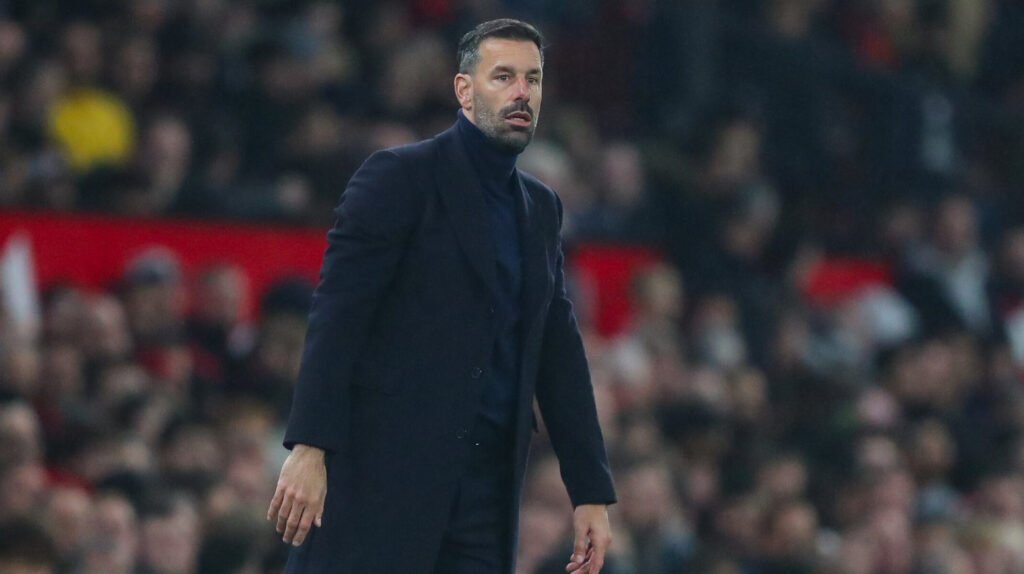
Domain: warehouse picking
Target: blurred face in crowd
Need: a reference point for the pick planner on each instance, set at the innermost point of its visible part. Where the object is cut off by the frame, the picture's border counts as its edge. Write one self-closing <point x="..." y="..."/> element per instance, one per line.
<point x="877" y="453"/>
<point x="784" y="478"/>
<point x="893" y="545"/>
<point x="167" y="147"/>
<point x="737" y="521"/>
<point x="137" y="67"/>
<point x="409" y="79"/>
<point x="658" y="293"/>
<point x="153" y="309"/>
<point x="170" y="543"/>
<point x="956" y="226"/>
<point x="623" y="173"/>
<point x="502" y="95"/>
<point x="112" y="544"/>
<point x="62" y="371"/>
<point x="67" y="519"/>
<point x="12" y="43"/>
<point x="22" y="477"/>
<point x="735" y="158"/>
<point x="193" y="449"/>
<point x="791" y="531"/>
<point x="19" y="366"/>
<point x="541" y="528"/>
<point x="932" y="451"/>
<point x="113" y="455"/>
<point x="221" y="295"/>
<point x="20" y="434"/>
<point x="21" y="486"/>
<point x="280" y="347"/>
<point x="544" y="486"/>
<point x="65" y="314"/>
<point x="748" y="395"/>
<point x="647" y="496"/>
<point x="1002" y="497"/>
<point x="107" y="335"/>
<point x="83" y="51"/>
<point x="119" y="382"/>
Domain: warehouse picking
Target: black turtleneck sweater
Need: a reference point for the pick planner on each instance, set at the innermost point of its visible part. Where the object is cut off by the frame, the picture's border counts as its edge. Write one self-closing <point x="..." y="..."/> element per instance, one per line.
<point x="498" y="183"/>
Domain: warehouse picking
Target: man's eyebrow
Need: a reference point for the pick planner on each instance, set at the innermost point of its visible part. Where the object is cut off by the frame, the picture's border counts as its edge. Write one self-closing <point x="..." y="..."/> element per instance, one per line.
<point x="510" y="70"/>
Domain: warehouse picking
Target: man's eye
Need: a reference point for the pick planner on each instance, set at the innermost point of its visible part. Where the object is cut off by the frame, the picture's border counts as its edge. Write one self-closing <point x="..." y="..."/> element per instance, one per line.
<point x="534" y="81"/>
<point x="502" y="77"/>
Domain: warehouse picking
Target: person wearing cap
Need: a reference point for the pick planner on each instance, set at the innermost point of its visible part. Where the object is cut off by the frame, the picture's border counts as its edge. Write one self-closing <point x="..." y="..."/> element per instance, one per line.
<point x="440" y="316"/>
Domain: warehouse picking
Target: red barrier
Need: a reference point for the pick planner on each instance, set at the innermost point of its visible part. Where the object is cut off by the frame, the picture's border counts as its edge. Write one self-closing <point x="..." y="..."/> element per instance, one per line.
<point x="92" y="250"/>
<point x="834" y="280"/>
<point x="608" y="270"/>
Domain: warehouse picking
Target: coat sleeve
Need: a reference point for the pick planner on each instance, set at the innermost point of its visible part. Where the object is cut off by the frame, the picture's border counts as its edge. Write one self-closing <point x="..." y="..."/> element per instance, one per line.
<point x="566" y="400"/>
<point x="364" y="248"/>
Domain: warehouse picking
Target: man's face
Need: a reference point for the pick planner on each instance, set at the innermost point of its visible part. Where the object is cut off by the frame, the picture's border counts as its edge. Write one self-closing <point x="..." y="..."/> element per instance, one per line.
<point x="502" y="96"/>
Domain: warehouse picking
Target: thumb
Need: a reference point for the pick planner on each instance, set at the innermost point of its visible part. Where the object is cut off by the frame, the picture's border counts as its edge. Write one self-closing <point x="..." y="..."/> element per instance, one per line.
<point x="319" y="519"/>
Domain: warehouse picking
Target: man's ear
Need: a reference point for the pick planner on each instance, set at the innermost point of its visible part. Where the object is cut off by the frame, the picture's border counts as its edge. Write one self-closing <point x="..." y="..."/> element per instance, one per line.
<point x="464" y="91"/>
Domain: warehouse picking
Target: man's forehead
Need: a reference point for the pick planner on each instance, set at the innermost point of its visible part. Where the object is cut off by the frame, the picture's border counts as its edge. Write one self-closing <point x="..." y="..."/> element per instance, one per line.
<point x="509" y="52"/>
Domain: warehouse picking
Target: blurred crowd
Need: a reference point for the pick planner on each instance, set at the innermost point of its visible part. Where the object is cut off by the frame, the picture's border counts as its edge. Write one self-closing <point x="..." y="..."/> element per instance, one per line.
<point x="752" y="429"/>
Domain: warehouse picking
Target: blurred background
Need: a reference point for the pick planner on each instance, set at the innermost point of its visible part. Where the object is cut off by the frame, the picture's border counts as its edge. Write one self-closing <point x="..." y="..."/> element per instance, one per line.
<point x="796" y="233"/>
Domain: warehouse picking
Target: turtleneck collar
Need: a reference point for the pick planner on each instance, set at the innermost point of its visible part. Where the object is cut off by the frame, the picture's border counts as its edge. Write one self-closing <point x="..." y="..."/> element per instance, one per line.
<point x="492" y="163"/>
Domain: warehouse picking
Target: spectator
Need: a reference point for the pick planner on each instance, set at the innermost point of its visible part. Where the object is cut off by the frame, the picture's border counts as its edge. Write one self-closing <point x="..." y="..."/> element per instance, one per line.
<point x="92" y="126"/>
<point x="947" y="279"/>
<point x="67" y="516"/>
<point x="113" y="541"/>
<point x="662" y="535"/>
<point x="169" y="535"/>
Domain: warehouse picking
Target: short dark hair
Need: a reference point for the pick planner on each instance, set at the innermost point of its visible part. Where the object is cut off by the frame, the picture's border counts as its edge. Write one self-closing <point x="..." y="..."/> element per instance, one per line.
<point x="506" y="28"/>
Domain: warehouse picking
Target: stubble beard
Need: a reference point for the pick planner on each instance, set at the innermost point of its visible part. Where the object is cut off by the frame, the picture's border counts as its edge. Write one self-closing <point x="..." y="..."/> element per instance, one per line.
<point x="512" y="139"/>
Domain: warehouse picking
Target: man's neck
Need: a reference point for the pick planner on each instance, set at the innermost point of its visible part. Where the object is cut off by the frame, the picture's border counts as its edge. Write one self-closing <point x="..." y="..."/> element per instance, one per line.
<point x="492" y="162"/>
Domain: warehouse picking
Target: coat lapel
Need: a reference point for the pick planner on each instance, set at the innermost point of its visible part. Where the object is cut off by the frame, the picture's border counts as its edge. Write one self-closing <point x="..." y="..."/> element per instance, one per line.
<point x="464" y="201"/>
<point x="534" y="256"/>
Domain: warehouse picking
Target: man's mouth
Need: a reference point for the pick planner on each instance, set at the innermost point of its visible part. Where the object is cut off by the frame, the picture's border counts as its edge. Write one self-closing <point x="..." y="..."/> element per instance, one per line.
<point x="520" y="119"/>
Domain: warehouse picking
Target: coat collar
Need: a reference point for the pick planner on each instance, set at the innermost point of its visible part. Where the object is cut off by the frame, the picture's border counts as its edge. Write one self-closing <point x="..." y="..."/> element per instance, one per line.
<point x="463" y="200"/>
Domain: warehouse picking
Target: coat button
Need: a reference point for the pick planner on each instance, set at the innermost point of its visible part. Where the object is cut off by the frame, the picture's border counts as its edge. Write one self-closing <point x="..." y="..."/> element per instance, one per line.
<point x="490" y="311"/>
<point x="461" y="433"/>
<point x="476" y="372"/>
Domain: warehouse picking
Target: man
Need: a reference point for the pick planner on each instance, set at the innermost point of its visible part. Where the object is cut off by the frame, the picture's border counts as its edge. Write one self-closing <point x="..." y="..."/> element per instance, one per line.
<point x="440" y="314"/>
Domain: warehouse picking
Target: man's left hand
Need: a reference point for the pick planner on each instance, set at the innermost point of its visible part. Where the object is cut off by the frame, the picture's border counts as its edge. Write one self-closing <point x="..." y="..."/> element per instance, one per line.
<point x="593" y="536"/>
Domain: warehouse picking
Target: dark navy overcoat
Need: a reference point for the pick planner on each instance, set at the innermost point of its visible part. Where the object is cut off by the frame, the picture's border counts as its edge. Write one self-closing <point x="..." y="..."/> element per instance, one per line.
<point x="400" y="334"/>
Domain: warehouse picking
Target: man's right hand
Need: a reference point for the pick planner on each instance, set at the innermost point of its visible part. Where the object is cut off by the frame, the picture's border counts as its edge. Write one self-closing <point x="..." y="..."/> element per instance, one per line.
<point x="299" y="499"/>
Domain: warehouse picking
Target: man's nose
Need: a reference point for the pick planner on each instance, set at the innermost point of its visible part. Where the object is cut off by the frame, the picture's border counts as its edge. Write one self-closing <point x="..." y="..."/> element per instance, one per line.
<point x="522" y="90"/>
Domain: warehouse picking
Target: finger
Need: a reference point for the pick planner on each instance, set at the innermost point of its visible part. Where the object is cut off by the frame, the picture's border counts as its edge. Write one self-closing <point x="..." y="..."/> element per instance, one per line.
<point x="275" y="504"/>
<point x="304" y="524"/>
<point x="579" y="547"/>
<point x="580" y="567"/>
<point x="600" y="544"/>
<point x="320" y="512"/>
<point x="293" y="524"/>
<point x="282" y="516"/>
